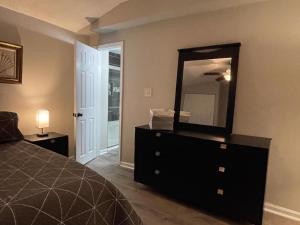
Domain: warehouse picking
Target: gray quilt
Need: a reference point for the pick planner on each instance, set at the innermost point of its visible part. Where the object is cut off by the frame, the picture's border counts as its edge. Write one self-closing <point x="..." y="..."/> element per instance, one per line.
<point x="40" y="187"/>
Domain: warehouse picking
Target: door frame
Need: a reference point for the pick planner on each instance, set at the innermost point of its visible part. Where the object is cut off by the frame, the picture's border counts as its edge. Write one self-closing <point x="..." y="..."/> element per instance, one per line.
<point x="109" y="46"/>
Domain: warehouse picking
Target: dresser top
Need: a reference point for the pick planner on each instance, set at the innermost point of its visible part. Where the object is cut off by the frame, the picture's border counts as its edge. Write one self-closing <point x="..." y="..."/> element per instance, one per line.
<point x="236" y="139"/>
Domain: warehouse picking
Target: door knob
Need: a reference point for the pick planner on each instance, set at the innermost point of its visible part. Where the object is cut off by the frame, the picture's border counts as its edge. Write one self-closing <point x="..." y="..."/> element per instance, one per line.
<point x="77" y="114"/>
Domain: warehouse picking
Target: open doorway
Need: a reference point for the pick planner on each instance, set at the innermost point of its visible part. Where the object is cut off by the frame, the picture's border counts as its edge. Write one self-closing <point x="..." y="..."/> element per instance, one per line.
<point x="98" y="102"/>
<point x="111" y="82"/>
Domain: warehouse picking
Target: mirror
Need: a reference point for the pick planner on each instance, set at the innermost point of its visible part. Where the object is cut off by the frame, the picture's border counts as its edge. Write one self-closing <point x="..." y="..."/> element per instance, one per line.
<point x="205" y="90"/>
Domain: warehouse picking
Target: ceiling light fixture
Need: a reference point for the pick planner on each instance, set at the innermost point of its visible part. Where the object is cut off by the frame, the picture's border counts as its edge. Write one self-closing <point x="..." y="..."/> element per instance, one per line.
<point x="227" y="75"/>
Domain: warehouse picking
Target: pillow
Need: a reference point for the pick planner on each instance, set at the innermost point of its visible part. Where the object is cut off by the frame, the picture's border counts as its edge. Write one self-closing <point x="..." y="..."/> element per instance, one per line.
<point x="9" y="127"/>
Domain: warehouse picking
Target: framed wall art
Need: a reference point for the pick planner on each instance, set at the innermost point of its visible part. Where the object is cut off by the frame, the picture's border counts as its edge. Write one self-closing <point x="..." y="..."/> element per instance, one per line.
<point x="11" y="56"/>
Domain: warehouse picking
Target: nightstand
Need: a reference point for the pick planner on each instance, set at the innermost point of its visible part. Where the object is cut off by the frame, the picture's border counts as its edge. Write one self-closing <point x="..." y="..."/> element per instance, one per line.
<point x="54" y="141"/>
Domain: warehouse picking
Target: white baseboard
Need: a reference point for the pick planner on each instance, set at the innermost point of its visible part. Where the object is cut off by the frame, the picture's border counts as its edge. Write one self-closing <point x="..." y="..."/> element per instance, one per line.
<point x="127" y="165"/>
<point x="106" y="150"/>
<point x="281" y="211"/>
<point x="101" y="152"/>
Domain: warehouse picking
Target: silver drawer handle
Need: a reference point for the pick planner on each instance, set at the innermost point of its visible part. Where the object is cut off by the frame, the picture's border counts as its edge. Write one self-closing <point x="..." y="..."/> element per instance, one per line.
<point x="222" y="169"/>
<point x="157" y="153"/>
<point x="220" y="192"/>
<point x="156" y="172"/>
<point x="52" y="141"/>
<point x="158" y="134"/>
<point x="223" y="146"/>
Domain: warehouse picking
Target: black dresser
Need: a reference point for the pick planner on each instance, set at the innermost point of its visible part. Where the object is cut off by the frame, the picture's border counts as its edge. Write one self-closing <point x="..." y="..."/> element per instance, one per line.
<point x="224" y="175"/>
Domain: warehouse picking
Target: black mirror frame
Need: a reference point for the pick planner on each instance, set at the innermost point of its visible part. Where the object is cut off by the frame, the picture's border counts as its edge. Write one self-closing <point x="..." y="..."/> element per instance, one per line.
<point x="202" y="53"/>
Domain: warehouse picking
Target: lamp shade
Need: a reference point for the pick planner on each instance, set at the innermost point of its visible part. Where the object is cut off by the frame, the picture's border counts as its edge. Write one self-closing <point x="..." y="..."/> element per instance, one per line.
<point x="42" y="118"/>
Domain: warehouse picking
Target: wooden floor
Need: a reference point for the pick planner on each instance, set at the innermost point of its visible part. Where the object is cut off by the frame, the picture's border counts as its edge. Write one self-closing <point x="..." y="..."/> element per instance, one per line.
<point x="156" y="209"/>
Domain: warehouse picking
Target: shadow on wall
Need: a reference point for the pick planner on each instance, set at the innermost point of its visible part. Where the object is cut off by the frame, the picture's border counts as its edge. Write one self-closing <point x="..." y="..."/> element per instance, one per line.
<point x="11" y="34"/>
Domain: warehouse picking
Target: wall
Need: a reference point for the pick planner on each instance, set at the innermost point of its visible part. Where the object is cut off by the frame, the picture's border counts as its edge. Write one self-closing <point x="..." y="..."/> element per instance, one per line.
<point x="223" y="101"/>
<point x="268" y="81"/>
<point x="48" y="73"/>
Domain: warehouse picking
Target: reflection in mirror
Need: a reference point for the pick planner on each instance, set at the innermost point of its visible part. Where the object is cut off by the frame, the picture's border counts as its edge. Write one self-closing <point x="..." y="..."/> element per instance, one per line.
<point x="205" y="89"/>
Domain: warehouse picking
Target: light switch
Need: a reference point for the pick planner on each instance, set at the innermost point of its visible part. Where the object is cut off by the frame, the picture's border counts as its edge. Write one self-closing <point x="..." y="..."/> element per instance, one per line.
<point x="147" y="92"/>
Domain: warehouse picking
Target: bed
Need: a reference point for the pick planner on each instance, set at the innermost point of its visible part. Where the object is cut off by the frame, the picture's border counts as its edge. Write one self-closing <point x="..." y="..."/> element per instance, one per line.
<point x="41" y="187"/>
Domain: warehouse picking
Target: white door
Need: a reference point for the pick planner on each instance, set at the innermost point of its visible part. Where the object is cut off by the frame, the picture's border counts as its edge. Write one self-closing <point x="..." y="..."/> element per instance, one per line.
<point x="87" y="73"/>
<point x="201" y="107"/>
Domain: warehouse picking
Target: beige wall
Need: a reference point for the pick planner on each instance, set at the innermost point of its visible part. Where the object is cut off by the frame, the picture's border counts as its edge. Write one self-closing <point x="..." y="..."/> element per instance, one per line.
<point x="48" y="73"/>
<point x="268" y="83"/>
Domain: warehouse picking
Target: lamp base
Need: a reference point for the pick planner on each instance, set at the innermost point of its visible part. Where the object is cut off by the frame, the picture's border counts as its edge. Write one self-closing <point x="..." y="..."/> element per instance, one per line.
<point x="42" y="135"/>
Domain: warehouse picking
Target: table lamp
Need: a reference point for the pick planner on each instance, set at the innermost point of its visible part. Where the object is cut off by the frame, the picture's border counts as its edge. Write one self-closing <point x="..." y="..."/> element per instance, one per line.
<point x="42" y="121"/>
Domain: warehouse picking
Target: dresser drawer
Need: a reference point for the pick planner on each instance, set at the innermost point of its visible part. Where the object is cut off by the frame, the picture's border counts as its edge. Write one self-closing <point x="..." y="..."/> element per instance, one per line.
<point x="152" y="146"/>
<point x="150" y="137"/>
<point x="151" y="171"/>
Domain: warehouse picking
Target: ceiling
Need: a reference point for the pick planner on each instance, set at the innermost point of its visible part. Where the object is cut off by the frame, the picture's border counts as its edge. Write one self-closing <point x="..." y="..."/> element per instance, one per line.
<point x="194" y="70"/>
<point x="138" y="12"/>
<point x="68" y="14"/>
<point x="76" y="15"/>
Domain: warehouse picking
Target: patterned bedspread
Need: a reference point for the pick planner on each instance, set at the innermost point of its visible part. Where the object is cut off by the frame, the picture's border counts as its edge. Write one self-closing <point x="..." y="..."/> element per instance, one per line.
<point x="40" y="187"/>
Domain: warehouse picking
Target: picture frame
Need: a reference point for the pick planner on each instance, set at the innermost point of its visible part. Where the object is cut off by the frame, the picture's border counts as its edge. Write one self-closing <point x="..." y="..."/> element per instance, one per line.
<point x="11" y="59"/>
